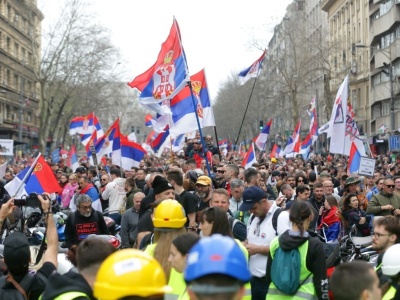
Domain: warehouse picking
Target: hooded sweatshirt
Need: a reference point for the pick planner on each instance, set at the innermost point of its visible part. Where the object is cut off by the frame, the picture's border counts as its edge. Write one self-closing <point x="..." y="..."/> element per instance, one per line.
<point x="69" y="282"/>
<point x="115" y="194"/>
<point x="315" y="260"/>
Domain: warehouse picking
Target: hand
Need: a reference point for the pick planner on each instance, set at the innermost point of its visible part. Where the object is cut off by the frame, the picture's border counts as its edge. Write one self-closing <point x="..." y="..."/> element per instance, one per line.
<point x="251" y="248"/>
<point x="280" y="200"/>
<point x="362" y="221"/>
<point x="396" y="212"/>
<point x="45" y="202"/>
<point x="7" y="209"/>
<point x="321" y="209"/>
<point x="387" y="207"/>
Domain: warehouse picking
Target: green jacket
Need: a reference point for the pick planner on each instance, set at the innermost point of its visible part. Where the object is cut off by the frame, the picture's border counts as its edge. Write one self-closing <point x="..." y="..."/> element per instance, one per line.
<point x="129" y="198"/>
<point x="378" y="200"/>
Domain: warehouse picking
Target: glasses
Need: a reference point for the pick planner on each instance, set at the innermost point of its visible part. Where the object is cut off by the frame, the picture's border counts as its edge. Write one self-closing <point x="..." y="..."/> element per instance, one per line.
<point x="300" y="180"/>
<point x="390" y="186"/>
<point x="221" y="171"/>
<point x="378" y="235"/>
<point x="103" y="179"/>
<point x="89" y="207"/>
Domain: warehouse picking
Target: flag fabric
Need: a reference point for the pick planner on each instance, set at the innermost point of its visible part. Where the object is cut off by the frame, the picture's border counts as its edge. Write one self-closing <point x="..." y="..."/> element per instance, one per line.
<point x="223" y="143"/>
<point x="262" y="138"/>
<point x="85" y="125"/>
<point x="178" y="143"/>
<point x="3" y="169"/>
<point x="131" y="154"/>
<point x="293" y="144"/>
<point x="92" y="142"/>
<point x="41" y="179"/>
<point x="305" y="145"/>
<point x="312" y="112"/>
<point x="354" y="159"/>
<point x="250" y="158"/>
<point x="110" y="143"/>
<point x="168" y="75"/>
<point x="149" y="120"/>
<point x="337" y="122"/>
<point x="73" y="162"/>
<point x="183" y="112"/>
<point x="151" y="137"/>
<point x="85" y="138"/>
<point x="276" y="151"/>
<point x="160" y="141"/>
<point x="252" y="71"/>
<point x="382" y="129"/>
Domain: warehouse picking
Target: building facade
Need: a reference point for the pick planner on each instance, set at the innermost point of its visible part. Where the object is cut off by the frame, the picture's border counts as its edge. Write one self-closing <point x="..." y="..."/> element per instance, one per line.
<point x="20" y="52"/>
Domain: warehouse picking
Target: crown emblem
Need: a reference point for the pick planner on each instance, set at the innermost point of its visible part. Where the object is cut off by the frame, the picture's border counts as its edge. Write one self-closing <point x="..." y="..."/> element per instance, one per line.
<point x="38" y="167"/>
<point x="168" y="57"/>
<point x="196" y="86"/>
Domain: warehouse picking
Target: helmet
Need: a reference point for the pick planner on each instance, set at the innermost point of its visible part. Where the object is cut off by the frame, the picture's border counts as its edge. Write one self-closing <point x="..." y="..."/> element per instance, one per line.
<point x="216" y="254"/>
<point x="391" y="261"/>
<point x="130" y="272"/>
<point x="169" y="214"/>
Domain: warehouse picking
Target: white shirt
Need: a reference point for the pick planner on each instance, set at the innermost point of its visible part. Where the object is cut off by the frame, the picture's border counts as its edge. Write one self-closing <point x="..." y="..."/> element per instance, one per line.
<point x="234" y="205"/>
<point x="260" y="234"/>
<point x="283" y="222"/>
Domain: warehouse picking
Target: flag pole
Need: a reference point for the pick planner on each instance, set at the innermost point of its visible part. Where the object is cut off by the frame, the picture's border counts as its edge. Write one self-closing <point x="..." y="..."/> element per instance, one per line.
<point x="198" y="125"/>
<point x="27" y="174"/>
<point x="216" y="137"/>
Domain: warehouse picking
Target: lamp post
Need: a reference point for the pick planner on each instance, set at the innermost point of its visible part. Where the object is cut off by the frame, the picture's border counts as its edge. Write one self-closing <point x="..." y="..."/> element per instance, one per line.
<point x="389" y="72"/>
<point x="21" y="96"/>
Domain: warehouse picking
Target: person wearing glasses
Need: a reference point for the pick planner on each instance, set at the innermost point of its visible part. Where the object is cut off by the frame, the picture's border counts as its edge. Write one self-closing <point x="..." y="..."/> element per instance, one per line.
<point x="386" y="202"/>
<point x="386" y="234"/>
<point x="84" y="221"/>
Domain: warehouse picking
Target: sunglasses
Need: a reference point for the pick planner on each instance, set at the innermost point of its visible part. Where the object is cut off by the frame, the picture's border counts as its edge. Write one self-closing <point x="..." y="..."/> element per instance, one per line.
<point x="103" y="179"/>
<point x="390" y="186"/>
<point x="221" y="171"/>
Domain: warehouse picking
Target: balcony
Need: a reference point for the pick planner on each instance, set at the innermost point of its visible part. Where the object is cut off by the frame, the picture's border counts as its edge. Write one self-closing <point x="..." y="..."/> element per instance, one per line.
<point x="382" y="56"/>
<point x="380" y="92"/>
<point x="384" y="23"/>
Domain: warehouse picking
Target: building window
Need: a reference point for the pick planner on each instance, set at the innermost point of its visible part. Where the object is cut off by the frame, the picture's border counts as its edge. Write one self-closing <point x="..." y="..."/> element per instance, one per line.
<point x="376" y="111"/>
<point x="385" y="6"/>
<point x="385" y="108"/>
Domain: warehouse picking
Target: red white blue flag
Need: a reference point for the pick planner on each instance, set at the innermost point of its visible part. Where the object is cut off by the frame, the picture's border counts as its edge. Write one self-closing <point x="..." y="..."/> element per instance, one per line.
<point x="110" y="143"/>
<point x="293" y="144"/>
<point x="73" y="162"/>
<point x="250" y="158"/>
<point x="262" y="138"/>
<point x="354" y="159"/>
<point x="252" y="71"/>
<point x="276" y="151"/>
<point x="131" y="154"/>
<point x="168" y="75"/>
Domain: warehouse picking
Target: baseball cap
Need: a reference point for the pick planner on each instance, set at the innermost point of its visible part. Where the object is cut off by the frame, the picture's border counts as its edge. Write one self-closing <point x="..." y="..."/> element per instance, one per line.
<point x="251" y="196"/>
<point x="16" y="250"/>
<point x="204" y="180"/>
<point x="80" y="170"/>
<point x="276" y="173"/>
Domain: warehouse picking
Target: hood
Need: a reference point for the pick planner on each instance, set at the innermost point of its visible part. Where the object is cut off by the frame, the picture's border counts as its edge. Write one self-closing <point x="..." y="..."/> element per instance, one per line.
<point x="119" y="181"/>
<point x="70" y="281"/>
<point x="289" y="242"/>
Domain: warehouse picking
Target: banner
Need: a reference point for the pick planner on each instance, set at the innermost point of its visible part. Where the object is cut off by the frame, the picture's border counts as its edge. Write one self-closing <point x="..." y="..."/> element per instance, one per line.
<point x="6" y="147"/>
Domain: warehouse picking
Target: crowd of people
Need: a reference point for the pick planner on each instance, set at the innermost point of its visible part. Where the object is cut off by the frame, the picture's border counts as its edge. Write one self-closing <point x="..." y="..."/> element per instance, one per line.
<point x="212" y="229"/>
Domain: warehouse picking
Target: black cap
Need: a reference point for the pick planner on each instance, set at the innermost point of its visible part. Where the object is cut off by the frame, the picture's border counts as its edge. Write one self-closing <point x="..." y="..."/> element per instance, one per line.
<point x="160" y="184"/>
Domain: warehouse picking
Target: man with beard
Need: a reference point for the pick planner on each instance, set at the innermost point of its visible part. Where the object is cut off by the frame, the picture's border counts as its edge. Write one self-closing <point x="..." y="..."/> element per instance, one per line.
<point x="316" y="202"/>
<point x="386" y="234"/>
<point x="219" y="176"/>
<point x="203" y="188"/>
<point x="84" y="221"/>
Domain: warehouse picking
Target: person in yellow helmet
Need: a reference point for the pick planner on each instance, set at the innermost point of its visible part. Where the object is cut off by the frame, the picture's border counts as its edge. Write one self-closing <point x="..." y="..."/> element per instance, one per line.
<point x="130" y="274"/>
<point x="169" y="221"/>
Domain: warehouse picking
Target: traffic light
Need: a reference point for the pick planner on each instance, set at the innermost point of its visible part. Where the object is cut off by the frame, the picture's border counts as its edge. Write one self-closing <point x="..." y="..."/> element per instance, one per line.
<point x="261" y="124"/>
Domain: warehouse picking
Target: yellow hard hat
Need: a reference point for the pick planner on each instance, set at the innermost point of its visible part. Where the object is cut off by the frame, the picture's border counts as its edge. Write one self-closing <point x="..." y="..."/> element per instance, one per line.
<point x="169" y="214"/>
<point x="130" y="272"/>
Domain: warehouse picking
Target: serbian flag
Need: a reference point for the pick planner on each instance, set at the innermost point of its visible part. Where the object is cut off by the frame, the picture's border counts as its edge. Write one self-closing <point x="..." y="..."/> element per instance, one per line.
<point x="178" y="143"/>
<point x="150" y="137"/>
<point x="312" y="113"/>
<point x="305" y="145"/>
<point x="110" y="142"/>
<point x="92" y="142"/>
<point x="160" y="141"/>
<point x="131" y="154"/>
<point x="250" y="158"/>
<point x="223" y="143"/>
<point x="354" y="159"/>
<point x="85" y="125"/>
<point x="39" y="178"/>
<point x="149" y="120"/>
<point x="73" y="162"/>
<point x="293" y="144"/>
<point x="252" y="71"/>
<point x="183" y="111"/>
<point x="168" y="75"/>
<point x="262" y="138"/>
<point x="276" y="151"/>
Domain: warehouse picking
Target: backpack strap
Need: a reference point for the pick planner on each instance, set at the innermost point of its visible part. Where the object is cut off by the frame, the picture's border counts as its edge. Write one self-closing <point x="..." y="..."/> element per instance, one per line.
<point x="23" y="285"/>
<point x="275" y="220"/>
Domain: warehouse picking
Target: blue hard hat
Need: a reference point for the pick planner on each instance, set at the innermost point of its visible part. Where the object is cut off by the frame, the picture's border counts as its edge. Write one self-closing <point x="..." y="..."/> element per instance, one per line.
<point x="216" y="254"/>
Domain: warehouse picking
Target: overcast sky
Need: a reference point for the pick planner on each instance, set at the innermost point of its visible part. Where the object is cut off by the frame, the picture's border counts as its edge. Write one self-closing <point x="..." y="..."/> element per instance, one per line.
<point x="216" y="34"/>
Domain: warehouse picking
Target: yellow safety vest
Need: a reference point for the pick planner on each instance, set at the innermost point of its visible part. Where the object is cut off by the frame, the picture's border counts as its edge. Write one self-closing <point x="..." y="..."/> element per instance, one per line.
<point x="69" y="296"/>
<point x="390" y="293"/>
<point x="306" y="290"/>
<point x="247" y="287"/>
<point x="176" y="280"/>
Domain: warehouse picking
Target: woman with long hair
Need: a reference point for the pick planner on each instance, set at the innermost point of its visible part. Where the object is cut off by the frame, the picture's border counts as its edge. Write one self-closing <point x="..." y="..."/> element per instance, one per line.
<point x="178" y="253"/>
<point x="313" y="279"/>
<point x="330" y="219"/>
<point x="69" y="190"/>
<point x="355" y="215"/>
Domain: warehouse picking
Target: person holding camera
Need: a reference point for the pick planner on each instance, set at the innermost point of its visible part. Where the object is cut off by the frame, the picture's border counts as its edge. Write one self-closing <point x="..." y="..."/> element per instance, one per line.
<point x="17" y="256"/>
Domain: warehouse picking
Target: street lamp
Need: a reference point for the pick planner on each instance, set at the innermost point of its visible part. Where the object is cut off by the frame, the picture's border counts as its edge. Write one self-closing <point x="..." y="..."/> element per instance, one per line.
<point x="389" y="72"/>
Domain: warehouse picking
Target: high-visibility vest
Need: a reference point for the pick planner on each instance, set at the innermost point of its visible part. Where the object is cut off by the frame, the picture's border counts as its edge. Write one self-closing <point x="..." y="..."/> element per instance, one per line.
<point x="69" y="296"/>
<point x="390" y="293"/>
<point x="306" y="290"/>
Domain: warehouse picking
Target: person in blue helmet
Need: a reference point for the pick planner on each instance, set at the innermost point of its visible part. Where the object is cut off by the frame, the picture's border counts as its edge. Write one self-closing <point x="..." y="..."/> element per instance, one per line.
<point x="216" y="268"/>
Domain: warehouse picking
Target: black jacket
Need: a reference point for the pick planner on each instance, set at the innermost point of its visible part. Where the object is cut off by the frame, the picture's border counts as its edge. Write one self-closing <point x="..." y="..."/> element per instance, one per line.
<point x="69" y="282"/>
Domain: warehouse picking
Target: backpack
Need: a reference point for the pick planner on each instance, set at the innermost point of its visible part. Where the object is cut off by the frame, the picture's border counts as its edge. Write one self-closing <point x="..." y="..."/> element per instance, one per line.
<point x="285" y="270"/>
<point x="232" y="223"/>
<point x="19" y="292"/>
<point x="275" y="216"/>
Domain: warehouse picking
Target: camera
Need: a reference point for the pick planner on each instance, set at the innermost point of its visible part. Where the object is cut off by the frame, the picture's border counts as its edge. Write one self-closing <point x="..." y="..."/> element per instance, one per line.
<point x="31" y="200"/>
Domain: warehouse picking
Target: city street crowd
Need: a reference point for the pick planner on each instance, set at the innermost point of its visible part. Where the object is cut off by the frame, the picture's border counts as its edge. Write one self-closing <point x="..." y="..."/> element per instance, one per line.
<point x="197" y="225"/>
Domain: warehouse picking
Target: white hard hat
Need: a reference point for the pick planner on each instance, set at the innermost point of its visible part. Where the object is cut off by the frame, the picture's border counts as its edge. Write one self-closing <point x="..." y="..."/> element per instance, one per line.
<point x="391" y="261"/>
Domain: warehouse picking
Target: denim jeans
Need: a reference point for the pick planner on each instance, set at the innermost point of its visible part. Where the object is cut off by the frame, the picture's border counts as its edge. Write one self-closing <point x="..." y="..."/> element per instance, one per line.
<point x="259" y="288"/>
<point x="116" y="217"/>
